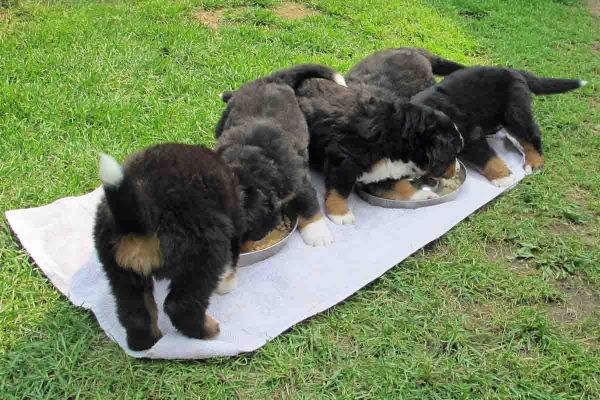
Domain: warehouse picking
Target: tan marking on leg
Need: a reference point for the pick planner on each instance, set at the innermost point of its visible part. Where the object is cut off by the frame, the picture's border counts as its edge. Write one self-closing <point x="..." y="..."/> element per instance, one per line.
<point x="153" y="310"/>
<point x="139" y="253"/>
<point x="532" y="156"/>
<point x="302" y="222"/>
<point x="335" y="203"/>
<point x="495" y="168"/>
<point x="211" y="325"/>
<point x="402" y="190"/>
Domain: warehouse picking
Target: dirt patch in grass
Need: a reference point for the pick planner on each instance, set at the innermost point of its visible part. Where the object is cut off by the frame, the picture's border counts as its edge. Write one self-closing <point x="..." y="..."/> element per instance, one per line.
<point x="292" y="11"/>
<point x="594" y="7"/>
<point x="577" y="195"/>
<point x="580" y="302"/>
<point x="211" y="19"/>
<point x="501" y="252"/>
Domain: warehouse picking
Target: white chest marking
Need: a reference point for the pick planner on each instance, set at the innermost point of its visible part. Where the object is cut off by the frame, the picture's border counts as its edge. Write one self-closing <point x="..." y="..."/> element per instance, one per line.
<point x="388" y="169"/>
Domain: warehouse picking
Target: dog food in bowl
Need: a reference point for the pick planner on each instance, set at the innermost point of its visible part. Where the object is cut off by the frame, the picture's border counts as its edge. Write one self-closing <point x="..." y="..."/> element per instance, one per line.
<point x="447" y="189"/>
<point x="253" y="252"/>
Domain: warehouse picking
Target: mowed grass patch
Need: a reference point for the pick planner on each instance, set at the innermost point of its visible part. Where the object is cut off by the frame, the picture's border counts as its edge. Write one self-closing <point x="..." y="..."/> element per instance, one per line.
<point x="473" y="315"/>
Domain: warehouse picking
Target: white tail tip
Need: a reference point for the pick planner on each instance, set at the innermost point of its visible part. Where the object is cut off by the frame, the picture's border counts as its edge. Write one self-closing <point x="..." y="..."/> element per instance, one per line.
<point x="111" y="173"/>
<point x="339" y="79"/>
<point x="582" y="83"/>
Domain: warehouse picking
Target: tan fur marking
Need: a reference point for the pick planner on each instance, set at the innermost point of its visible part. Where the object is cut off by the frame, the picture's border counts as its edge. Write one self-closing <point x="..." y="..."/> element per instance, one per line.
<point x="451" y="171"/>
<point x="402" y="190"/>
<point x="495" y="168"/>
<point x="139" y="253"/>
<point x="212" y="326"/>
<point x="302" y="222"/>
<point x="153" y="310"/>
<point x="335" y="203"/>
<point x="532" y="156"/>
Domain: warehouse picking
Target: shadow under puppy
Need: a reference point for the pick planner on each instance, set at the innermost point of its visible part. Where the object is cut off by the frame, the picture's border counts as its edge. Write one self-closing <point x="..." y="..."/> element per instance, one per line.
<point x="263" y="137"/>
<point x="358" y="137"/>
<point x="171" y="211"/>
<point x="482" y="100"/>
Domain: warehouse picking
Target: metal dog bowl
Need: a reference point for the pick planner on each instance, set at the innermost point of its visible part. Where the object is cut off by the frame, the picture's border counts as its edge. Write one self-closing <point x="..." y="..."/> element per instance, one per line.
<point x="253" y="257"/>
<point x="387" y="203"/>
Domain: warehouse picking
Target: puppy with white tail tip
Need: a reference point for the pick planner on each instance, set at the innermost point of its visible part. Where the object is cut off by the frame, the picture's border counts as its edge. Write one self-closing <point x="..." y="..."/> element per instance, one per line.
<point x="482" y="100"/>
<point x="171" y="211"/>
<point x="263" y="136"/>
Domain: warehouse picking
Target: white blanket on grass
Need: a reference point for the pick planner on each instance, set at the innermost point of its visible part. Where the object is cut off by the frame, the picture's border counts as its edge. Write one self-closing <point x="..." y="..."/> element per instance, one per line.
<point x="273" y="295"/>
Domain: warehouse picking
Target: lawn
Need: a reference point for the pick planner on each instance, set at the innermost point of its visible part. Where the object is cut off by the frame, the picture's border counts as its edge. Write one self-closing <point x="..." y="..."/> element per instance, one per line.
<point x="506" y="305"/>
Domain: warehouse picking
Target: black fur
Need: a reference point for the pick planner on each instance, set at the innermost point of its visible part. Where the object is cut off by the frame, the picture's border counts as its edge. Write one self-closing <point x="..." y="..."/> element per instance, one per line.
<point x="189" y="198"/>
<point x="263" y="136"/>
<point x="399" y="73"/>
<point x="351" y="130"/>
<point x="480" y="100"/>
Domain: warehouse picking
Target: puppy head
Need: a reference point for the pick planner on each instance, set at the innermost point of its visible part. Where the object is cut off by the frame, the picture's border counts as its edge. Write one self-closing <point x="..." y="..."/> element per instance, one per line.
<point x="261" y="190"/>
<point x="433" y="140"/>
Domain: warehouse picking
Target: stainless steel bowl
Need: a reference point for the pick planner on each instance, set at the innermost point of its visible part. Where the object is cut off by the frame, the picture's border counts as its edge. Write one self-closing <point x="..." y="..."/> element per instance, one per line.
<point x="387" y="203"/>
<point x="259" y="255"/>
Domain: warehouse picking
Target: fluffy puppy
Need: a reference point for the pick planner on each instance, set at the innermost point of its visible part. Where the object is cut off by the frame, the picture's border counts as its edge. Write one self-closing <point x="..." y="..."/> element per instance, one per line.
<point x="356" y="137"/>
<point x="481" y="100"/>
<point x="396" y="74"/>
<point x="171" y="211"/>
<point x="263" y="137"/>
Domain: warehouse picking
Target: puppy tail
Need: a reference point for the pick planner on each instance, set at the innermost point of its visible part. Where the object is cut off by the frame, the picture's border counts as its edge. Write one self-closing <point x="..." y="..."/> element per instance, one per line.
<point x="294" y="76"/>
<point x="541" y="86"/>
<point x="440" y="66"/>
<point x="120" y="195"/>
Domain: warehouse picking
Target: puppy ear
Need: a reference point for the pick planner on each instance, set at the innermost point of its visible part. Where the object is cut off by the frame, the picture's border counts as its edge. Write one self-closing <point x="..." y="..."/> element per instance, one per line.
<point x="369" y="106"/>
<point x="371" y="121"/>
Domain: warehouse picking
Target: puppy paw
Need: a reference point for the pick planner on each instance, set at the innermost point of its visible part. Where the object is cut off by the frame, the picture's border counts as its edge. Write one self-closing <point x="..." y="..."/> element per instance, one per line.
<point x="227" y="283"/>
<point x="532" y="168"/>
<point x="503" y="182"/>
<point x="317" y="234"/>
<point x="211" y="326"/>
<point x="344" y="219"/>
<point x="424" y="195"/>
<point x="139" y="340"/>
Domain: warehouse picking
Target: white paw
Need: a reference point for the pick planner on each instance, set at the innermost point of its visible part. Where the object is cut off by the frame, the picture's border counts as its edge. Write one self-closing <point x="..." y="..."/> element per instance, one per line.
<point x="503" y="182"/>
<point x="346" y="219"/>
<point x="228" y="281"/>
<point x="424" y="195"/>
<point x="528" y="170"/>
<point x="317" y="234"/>
<point x="227" y="285"/>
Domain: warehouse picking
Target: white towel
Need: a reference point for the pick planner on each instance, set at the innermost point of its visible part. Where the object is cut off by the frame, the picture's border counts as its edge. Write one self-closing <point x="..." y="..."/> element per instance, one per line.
<point x="271" y="296"/>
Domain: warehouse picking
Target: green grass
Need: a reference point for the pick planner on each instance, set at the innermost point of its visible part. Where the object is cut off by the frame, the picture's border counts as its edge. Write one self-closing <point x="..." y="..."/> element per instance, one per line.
<point x="504" y="306"/>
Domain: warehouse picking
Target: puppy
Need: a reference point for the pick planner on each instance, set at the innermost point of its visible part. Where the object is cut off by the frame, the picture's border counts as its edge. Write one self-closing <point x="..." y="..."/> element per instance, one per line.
<point x="263" y="137"/>
<point x="481" y="100"/>
<point x="356" y="137"/>
<point x="171" y="211"/>
<point x="399" y="74"/>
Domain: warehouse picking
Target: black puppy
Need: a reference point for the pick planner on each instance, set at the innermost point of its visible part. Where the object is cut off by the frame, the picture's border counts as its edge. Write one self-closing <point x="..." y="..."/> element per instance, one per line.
<point x="263" y="137"/>
<point x="399" y="74"/>
<point x="172" y="211"/>
<point x="358" y="137"/>
<point x="481" y="100"/>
